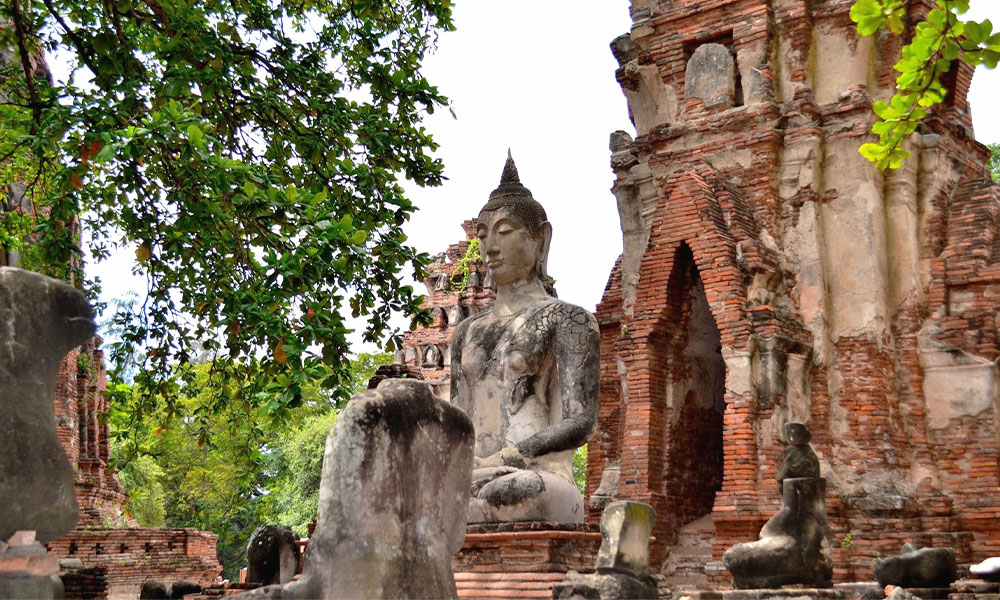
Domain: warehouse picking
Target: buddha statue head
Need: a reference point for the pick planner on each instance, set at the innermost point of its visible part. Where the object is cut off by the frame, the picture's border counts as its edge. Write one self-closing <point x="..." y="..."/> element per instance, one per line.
<point x="526" y="252"/>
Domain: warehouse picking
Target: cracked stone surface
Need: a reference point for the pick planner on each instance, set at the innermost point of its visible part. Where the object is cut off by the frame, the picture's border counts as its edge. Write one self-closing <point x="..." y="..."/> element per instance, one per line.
<point x="41" y="319"/>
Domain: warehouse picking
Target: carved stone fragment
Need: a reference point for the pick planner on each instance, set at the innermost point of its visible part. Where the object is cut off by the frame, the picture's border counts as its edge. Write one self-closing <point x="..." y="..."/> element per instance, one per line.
<point x="623" y="561"/>
<point x="711" y="75"/>
<point x="272" y="555"/>
<point x="923" y="568"/>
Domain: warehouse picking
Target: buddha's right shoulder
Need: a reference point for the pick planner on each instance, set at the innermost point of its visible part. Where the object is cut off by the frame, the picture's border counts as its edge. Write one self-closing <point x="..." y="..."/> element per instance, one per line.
<point x="460" y="330"/>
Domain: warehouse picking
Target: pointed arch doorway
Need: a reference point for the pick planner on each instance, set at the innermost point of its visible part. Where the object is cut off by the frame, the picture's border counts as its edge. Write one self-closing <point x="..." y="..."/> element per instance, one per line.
<point x="695" y="404"/>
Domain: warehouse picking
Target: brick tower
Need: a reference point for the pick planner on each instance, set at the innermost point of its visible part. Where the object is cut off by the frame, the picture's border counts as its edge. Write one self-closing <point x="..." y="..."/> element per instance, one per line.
<point x="770" y="273"/>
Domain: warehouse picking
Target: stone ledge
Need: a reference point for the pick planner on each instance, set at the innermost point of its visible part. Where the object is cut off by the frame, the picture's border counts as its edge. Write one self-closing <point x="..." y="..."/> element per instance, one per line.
<point x="527" y="548"/>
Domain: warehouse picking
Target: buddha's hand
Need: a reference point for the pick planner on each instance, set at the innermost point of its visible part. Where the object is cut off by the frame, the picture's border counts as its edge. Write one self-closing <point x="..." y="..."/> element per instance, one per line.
<point x="508" y="456"/>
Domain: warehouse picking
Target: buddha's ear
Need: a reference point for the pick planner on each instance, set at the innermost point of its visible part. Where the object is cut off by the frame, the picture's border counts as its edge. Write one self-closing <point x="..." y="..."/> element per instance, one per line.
<point x="545" y="232"/>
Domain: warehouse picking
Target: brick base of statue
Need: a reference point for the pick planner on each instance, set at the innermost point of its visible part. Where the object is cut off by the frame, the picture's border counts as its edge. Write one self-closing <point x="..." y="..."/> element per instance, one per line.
<point x="974" y="589"/>
<point x="522" y="560"/>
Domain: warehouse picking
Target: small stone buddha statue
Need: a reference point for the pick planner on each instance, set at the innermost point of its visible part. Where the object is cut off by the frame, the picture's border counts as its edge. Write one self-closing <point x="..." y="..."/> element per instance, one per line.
<point x="525" y="371"/>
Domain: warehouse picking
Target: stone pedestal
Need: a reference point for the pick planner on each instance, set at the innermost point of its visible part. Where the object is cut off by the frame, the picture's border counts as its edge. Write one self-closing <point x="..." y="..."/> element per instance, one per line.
<point x="523" y="560"/>
<point x="27" y="570"/>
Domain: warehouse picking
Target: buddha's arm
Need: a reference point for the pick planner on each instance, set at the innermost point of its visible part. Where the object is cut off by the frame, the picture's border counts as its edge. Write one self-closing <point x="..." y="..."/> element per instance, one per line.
<point x="577" y="353"/>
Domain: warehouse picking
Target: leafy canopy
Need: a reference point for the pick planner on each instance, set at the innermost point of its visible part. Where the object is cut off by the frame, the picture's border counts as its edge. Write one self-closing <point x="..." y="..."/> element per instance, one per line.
<point x="249" y="152"/>
<point x="938" y="40"/>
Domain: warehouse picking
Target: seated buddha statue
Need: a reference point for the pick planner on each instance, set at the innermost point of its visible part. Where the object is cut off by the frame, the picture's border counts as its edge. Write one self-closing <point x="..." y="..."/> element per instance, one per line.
<point x="525" y="371"/>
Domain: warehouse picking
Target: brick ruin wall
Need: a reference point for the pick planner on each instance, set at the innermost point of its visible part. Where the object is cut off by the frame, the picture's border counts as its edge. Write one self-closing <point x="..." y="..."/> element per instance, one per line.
<point x="428" y="349"/>
<point x="770" y="273"/>
<point x="106" y="537"/>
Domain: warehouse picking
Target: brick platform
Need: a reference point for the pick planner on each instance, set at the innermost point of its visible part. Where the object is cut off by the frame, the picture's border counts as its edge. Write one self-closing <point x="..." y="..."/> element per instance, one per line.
<point x="522" y="560"/>
<point x="506" y="585"/>
<point x="974" y="589"/>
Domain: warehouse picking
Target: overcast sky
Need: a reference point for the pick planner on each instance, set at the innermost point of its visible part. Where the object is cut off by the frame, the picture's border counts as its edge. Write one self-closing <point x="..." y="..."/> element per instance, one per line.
<point x="537" y="76"/>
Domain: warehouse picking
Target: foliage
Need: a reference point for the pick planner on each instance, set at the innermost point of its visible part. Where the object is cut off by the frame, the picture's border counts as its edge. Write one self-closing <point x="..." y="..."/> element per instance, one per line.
<point x="249" y="153"/>
<point x="464" y="269"/>
<point x="296" y="461"/>
<point x="993" y="163"/>
<point x="143" y="479"/>
<point x="230" y="471"/>
<point x="940" y="39"/>
<point x="580" y="467"/>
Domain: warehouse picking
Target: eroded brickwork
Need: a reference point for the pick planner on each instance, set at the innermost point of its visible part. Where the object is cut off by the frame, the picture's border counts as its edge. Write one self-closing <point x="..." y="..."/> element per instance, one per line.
<point x="859" y="302"/>
<point x="106" y="537"/>
<point x="81" y="405"/>
<point x="429" y="348"/>
<point x="130" y="556"/>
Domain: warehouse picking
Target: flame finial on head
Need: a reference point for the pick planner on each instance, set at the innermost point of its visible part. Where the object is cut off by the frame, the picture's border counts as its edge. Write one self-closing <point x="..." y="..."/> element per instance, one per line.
<point x="510" y="182"/>
<point x="511" y="194"/>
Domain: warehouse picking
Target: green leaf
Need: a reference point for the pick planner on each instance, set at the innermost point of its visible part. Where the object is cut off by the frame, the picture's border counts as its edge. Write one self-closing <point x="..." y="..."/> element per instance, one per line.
<point x="195" y="136"/>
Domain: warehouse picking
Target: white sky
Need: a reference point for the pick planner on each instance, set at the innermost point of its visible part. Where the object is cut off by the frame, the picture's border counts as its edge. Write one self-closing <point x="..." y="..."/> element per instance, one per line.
<point x="537" y="76"/>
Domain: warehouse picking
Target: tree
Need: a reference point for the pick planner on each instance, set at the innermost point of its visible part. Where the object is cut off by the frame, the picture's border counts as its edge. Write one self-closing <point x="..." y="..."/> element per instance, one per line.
<point x="249" y="152"/>
<point x="993" y="163"/>
<point x="937" y="41"/>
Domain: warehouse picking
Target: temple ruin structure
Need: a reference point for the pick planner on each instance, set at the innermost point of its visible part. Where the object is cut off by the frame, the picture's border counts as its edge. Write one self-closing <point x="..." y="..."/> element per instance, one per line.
<point x="772" y="274"/>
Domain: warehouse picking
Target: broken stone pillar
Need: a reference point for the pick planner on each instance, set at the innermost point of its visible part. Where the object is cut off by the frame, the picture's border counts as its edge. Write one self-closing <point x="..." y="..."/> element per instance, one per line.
<point x="41" y="319"/>
<point x="272" y="555"/>
<point x="396" y="478"/>
<point x="623" y="561"/>
<point x="794" y="544"/>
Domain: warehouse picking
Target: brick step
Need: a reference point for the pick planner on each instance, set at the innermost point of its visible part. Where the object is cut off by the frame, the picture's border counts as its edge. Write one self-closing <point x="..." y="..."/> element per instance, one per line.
<point x="686" y="581"/>
<point x="488" y="586"/>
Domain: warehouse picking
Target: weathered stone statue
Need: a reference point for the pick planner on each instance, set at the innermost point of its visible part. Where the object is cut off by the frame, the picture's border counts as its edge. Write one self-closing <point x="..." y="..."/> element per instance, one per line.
<point x="272" y="555"/>
<point x="391" y="501"/>
<point x="526" y="371"/>
<point x="918" y="568"/>
<point x="41" y="319"/>
<point x="794" y="544"/>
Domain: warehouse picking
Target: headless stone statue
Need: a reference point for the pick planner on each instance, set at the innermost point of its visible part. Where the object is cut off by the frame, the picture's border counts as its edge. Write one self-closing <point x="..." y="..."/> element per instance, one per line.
<point x="391" y="501"/>
<point x="272" y="555"/>
<point x="41" y="319"/>
<point x="526" y="371"/>
<point x="794" y="544"/>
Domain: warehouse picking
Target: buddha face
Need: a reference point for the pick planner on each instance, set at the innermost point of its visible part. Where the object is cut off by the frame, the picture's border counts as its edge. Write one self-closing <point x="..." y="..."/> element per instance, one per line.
<point x="510" y="251"/>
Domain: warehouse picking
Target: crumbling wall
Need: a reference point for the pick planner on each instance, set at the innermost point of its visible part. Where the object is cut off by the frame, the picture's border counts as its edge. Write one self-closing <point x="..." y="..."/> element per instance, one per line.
<point x="859" y="302"/>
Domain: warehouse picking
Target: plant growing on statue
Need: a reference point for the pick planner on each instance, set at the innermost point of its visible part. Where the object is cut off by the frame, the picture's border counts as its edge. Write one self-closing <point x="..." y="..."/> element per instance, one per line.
<point x="939" y="40"/>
